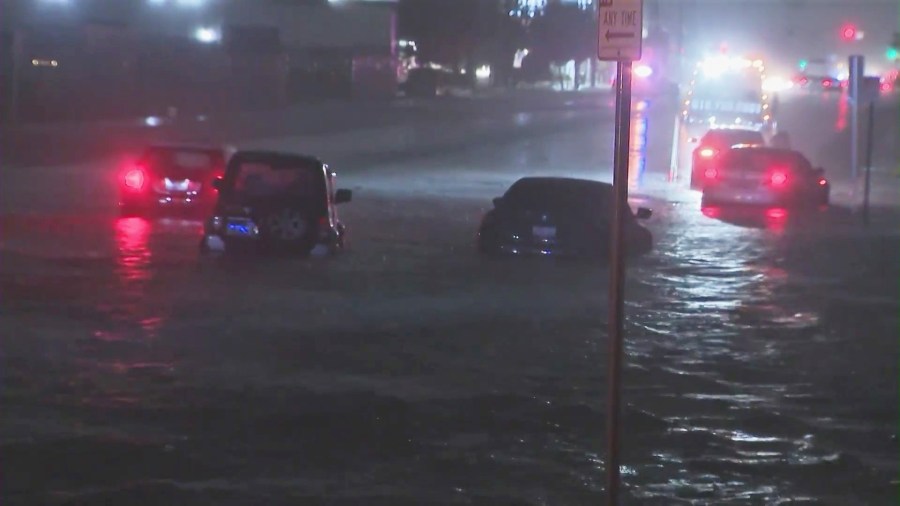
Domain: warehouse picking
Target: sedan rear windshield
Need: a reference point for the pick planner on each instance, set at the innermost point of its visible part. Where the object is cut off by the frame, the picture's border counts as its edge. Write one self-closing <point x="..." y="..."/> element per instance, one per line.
<point x="750" y="160"/>
<point x="185" y="159"/>
<point x="594" y="199"/>
<point x="734" y="137"/>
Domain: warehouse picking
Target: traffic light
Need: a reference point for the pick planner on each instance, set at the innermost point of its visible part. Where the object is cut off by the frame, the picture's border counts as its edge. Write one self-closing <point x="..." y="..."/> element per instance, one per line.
<point x="848" y="32"/>
<point x="803" y="64"/>
<point x="891" y="53"/>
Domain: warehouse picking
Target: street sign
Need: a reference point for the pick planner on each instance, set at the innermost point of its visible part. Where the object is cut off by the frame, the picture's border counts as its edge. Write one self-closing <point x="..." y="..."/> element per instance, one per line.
<point x="621" y="30"/>
<point x="869" y="89"/>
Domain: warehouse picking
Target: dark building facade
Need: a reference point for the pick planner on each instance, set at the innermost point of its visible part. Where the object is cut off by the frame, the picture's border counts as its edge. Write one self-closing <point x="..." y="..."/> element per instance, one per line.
<point x="104" y="58"/>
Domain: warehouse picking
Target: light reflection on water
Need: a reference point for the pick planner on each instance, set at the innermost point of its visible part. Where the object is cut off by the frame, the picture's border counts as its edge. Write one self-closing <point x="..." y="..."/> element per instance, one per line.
<point x="720" y="308"/>
<point x="134" y="255"/>
<point x="119" y="361"/>
<point x="134" y="271"/>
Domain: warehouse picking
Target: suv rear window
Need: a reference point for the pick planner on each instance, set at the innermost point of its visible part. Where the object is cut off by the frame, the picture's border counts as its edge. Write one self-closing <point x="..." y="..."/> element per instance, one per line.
<point x="260" y="179"/>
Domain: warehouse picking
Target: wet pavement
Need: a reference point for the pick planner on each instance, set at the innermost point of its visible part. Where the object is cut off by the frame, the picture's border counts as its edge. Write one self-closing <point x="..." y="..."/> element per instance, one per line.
<point x="761" y="360"/>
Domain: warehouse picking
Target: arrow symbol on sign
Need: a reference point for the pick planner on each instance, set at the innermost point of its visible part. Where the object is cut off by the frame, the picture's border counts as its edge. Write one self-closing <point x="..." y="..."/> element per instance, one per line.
<point x="618" y="35"/>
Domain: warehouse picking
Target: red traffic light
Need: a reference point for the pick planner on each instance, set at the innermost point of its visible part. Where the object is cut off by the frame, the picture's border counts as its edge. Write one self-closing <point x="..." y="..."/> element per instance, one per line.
<point x="848" y="32"/>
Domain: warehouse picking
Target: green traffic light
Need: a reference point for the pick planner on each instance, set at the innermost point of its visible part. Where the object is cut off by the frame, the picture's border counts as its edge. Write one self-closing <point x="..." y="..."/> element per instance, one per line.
<point x="892" y="53"/>
<point x="803" y="64"/>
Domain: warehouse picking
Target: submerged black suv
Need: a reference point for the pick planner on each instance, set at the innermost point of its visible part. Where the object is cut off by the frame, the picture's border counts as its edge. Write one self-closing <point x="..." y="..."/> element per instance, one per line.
<point x="276" y="202"/>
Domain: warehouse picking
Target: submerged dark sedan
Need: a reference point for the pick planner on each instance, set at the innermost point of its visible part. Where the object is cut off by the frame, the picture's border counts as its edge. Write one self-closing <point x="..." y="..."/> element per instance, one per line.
<point x="558" y="216"/>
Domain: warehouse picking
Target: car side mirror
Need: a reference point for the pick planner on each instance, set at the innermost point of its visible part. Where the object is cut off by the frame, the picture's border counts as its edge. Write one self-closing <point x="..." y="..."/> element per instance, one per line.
<point x="218" y="183"/>
<point x="341" y="196"/>
<point x="497" y="201"/>
<point x="643" y="213"/>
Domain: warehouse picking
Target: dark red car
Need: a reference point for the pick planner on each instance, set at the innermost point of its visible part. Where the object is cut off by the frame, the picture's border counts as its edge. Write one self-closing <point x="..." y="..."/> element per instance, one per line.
<point x="761" y="176"/>
<point x="175" y="176"/>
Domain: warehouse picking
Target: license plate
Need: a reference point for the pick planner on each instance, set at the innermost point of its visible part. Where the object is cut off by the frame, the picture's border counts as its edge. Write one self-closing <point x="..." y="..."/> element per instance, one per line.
<point x="542" y="232"/>
<point x="241" y="228"/>
<point x="178" y="186"/>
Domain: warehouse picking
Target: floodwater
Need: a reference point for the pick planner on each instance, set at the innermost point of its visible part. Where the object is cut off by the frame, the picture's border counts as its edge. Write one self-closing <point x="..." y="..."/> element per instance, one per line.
<point x="761" y="354"/>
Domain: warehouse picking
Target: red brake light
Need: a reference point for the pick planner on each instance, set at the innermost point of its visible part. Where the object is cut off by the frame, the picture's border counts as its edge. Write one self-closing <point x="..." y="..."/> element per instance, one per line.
<point x="324" y="228"/>
<point x="134" y="178"/>
<point x="826" y="83"/>
<point x="711" y="173"/>
<point x="822" y="182"/>
<point x="778" y="177"/>
<point x="707" y="152"/>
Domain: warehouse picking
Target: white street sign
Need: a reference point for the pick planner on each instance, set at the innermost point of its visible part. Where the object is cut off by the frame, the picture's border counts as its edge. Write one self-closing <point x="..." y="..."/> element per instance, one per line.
<point x="621" y="27"/>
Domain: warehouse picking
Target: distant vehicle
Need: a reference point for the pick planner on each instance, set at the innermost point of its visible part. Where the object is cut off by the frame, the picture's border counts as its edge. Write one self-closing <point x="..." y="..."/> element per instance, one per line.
<point x="716" y="141"/>
<point x="728" y="93"/>
<point x="171" y="176"/>
<point x="276" y="202"/>
<point x="559" y="217"/>
<point x="765" y="176"/>
<point x="818" y="83"/>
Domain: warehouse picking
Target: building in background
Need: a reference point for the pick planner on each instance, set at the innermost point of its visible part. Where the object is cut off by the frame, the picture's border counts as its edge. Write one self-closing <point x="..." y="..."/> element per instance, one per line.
<point x="126" y="57"/>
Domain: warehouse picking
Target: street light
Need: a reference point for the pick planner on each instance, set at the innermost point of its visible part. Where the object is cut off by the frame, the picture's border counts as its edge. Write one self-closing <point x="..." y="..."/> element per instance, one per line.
<point x="207" y="35"/>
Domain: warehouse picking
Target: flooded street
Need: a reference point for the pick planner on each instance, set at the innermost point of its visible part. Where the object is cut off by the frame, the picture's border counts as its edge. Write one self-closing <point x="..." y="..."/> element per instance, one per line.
<point x="761" y="367"/>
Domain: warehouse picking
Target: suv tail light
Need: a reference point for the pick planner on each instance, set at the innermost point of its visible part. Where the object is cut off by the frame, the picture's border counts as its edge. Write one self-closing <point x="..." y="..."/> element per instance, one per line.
<point x="135" y="178"/>
<point x="324" y="228"/>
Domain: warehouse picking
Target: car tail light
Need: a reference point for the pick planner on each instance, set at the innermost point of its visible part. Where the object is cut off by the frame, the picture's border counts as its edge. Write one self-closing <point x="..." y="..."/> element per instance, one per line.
<point x="135" y="178"/>
<point x="823" y="181"/>
<point x="826" y="83"/>
<point x="778" y="178"/>
<point x="707" y="152"/>
<point x="776" y="213"/>
<point x="324" y="228"/>
<point x="711" y="173"/>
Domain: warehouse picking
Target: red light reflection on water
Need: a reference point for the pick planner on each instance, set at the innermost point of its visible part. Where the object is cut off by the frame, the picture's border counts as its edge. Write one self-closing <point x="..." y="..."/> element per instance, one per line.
<point x="776" y="218"/>
<point x="134" y="270"/>
<point x="132" y="241"/>
<point x="841" y="123"/>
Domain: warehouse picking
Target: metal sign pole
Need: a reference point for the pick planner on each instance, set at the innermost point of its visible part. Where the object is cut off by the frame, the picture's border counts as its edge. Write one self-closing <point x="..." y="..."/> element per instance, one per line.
<point x="617" y="278"/>
<point x="620" y="27"/>
<point x="855" y="83"/>
<point x="869" y="142"/>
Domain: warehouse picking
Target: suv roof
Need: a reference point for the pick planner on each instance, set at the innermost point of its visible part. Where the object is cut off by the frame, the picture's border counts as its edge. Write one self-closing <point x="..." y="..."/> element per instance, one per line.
<point x="275" y="157"/>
